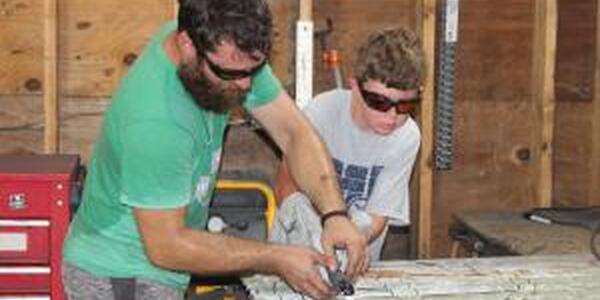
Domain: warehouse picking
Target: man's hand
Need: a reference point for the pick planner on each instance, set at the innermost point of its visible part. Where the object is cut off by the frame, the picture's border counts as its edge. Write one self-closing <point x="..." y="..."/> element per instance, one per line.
<point x="299" y="267"/>
<point x="340" y="232"/>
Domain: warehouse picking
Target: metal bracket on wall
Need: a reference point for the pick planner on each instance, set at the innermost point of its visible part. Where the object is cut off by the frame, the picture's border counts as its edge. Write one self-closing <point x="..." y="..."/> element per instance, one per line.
<point x="446" y="82"/>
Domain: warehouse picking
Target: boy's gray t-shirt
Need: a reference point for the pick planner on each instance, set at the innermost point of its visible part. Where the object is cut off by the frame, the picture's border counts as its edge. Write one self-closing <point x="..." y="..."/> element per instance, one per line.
<point x="373" y="170"/>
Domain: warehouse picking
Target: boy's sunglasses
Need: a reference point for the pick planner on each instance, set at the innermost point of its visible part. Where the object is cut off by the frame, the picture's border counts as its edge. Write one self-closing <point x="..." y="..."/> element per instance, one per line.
<point x="231" y="74"/>
<point x="383" y="104"/>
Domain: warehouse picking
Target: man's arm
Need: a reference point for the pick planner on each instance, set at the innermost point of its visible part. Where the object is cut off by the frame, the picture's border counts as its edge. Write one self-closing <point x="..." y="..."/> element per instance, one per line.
<point x="170" y="245"/>
<point x="284" y="183"/>
<point x="311" y="167"/>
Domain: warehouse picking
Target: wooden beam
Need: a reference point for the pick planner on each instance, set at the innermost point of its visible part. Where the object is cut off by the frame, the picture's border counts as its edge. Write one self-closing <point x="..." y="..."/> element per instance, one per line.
<point x="174" y="8"/>
<point x="427" y="17"/>
<point x="51" y="129"/>
<point x="544" y="54"/>
<point x="306" y="8"/>
<point x="594" y="195"/>
<point x="304" y="54"/>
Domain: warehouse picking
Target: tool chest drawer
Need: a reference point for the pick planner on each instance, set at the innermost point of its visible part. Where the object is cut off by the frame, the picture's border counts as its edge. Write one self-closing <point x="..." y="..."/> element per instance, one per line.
<point x="25" y="199"/>
<point x="24" y="241"/>
<point x="24" y="280"/>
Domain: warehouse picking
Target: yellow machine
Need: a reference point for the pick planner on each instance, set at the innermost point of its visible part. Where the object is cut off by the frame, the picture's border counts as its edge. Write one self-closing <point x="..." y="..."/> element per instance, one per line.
<point x="244" y="208"/>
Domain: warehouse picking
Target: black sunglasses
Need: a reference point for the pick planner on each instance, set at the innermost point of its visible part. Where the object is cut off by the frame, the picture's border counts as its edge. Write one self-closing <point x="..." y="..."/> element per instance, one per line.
<point x="383" y="104"/>
<point x="231" y="74"/>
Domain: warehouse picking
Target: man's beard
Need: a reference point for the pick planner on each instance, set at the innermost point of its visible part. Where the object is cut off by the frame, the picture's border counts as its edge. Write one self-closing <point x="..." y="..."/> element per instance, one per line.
<point x="208" y="95"/>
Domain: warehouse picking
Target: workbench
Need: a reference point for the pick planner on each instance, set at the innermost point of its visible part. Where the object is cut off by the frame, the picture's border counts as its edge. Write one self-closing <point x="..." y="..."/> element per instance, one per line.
<point x="499" y="278"/>
<point x="510" y="233"/>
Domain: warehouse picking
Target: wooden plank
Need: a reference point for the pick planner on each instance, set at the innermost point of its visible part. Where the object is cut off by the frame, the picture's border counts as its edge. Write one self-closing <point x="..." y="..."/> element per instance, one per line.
<point x="538" y="277"/>
<point x="51" y="132"/>
<point x="594" y="196"/>
<point x="493" y="123"/>
<point x="21" y="124"/>
<point x="100" y="41"/>
<point x="173" y="8"/>
<point x="21" y="37"/>
<point x="574" y="82"/>
<point x="427" y="13"/>
<point x="284" y="20"/>
<point x="81" y="120"/>
<point x="306" y="10"/>
<point x="544" y="49"/>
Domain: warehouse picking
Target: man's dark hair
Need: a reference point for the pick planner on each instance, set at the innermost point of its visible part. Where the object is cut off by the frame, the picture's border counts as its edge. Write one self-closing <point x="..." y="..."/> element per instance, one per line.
<point x="247" y="23"/>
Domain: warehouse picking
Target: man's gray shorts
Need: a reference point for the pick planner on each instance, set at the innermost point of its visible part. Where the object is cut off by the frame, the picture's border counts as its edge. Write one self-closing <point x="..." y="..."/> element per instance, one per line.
<point x="82" y="285"/>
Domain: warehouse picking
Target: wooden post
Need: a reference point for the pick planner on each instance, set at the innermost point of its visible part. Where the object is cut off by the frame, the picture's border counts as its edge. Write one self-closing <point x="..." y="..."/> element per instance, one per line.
<point x="306" y="10"/>
<point x="51" y="129"/>
<point x="594" y="196"/>
<point x="304" y="54"/>
<point x="174" y="8"/>
<point x="427" y="16"/>
<point x="544" y="54"/>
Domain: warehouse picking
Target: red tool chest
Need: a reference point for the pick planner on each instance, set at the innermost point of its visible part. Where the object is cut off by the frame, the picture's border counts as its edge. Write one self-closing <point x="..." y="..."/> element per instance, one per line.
<point x="35" y="196"/>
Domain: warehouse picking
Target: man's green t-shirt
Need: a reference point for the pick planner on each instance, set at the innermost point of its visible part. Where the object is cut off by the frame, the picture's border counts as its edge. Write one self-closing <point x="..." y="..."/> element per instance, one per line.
<point x="157" y="150"/>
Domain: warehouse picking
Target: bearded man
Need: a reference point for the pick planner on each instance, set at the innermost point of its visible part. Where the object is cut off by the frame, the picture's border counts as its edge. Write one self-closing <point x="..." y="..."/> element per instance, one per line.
<point x="140" y="230"/>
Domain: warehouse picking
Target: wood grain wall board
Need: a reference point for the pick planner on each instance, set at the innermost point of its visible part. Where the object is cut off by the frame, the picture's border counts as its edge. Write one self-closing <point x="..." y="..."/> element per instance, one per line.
<point x="487" y="172"/>
<point x="98" y="41"/>
<point x="21" y="47"/>
<point x="574" y="133"/>
<point x="494" y="50"/>
<point x="247" y="149"/>
<point x="493" y="116"/>
<point x="575" y="50"/>
<point x="285" y="15"/>
<point x="573" y="153"/>
<point x="21" y="124"/>
<point x="352" y="22"/>
<point x="594" y="194"/>
<point x="81" y="120"/>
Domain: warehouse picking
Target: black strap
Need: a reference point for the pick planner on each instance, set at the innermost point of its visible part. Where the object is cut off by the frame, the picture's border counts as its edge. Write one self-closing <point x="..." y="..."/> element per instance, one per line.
<point x="123" y="288"/>
<point x="339" y="212"/>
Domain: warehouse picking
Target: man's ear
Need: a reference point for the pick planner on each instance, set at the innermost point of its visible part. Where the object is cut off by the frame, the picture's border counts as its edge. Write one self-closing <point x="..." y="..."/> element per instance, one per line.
<point x="185" y="45"/>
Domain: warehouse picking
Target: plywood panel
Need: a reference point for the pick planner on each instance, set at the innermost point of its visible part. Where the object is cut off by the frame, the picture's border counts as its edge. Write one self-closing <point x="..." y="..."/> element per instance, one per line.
<point x="284" y="20"/>
<point x="594" y="194"/>
<point x="249" y="149"/>
<point x="574" y="131"/>
<point x="494" y="113"/>
<point x="21" y="124"/>
<point x="21" y="47"/>
<point x="99" y="39"/>
<point x="80" y="121"/>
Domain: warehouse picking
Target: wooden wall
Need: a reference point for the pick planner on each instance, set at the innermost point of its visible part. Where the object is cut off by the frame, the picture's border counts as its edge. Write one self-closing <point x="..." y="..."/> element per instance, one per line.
<point x="576" y="131"/>
<point x="496" y="154"/>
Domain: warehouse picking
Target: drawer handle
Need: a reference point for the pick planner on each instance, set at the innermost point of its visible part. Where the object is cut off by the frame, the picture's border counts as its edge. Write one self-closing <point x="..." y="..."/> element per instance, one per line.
<point x="24" y="298"/>
<point x="24" y="223"/>
<point x="24" y="270"/>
